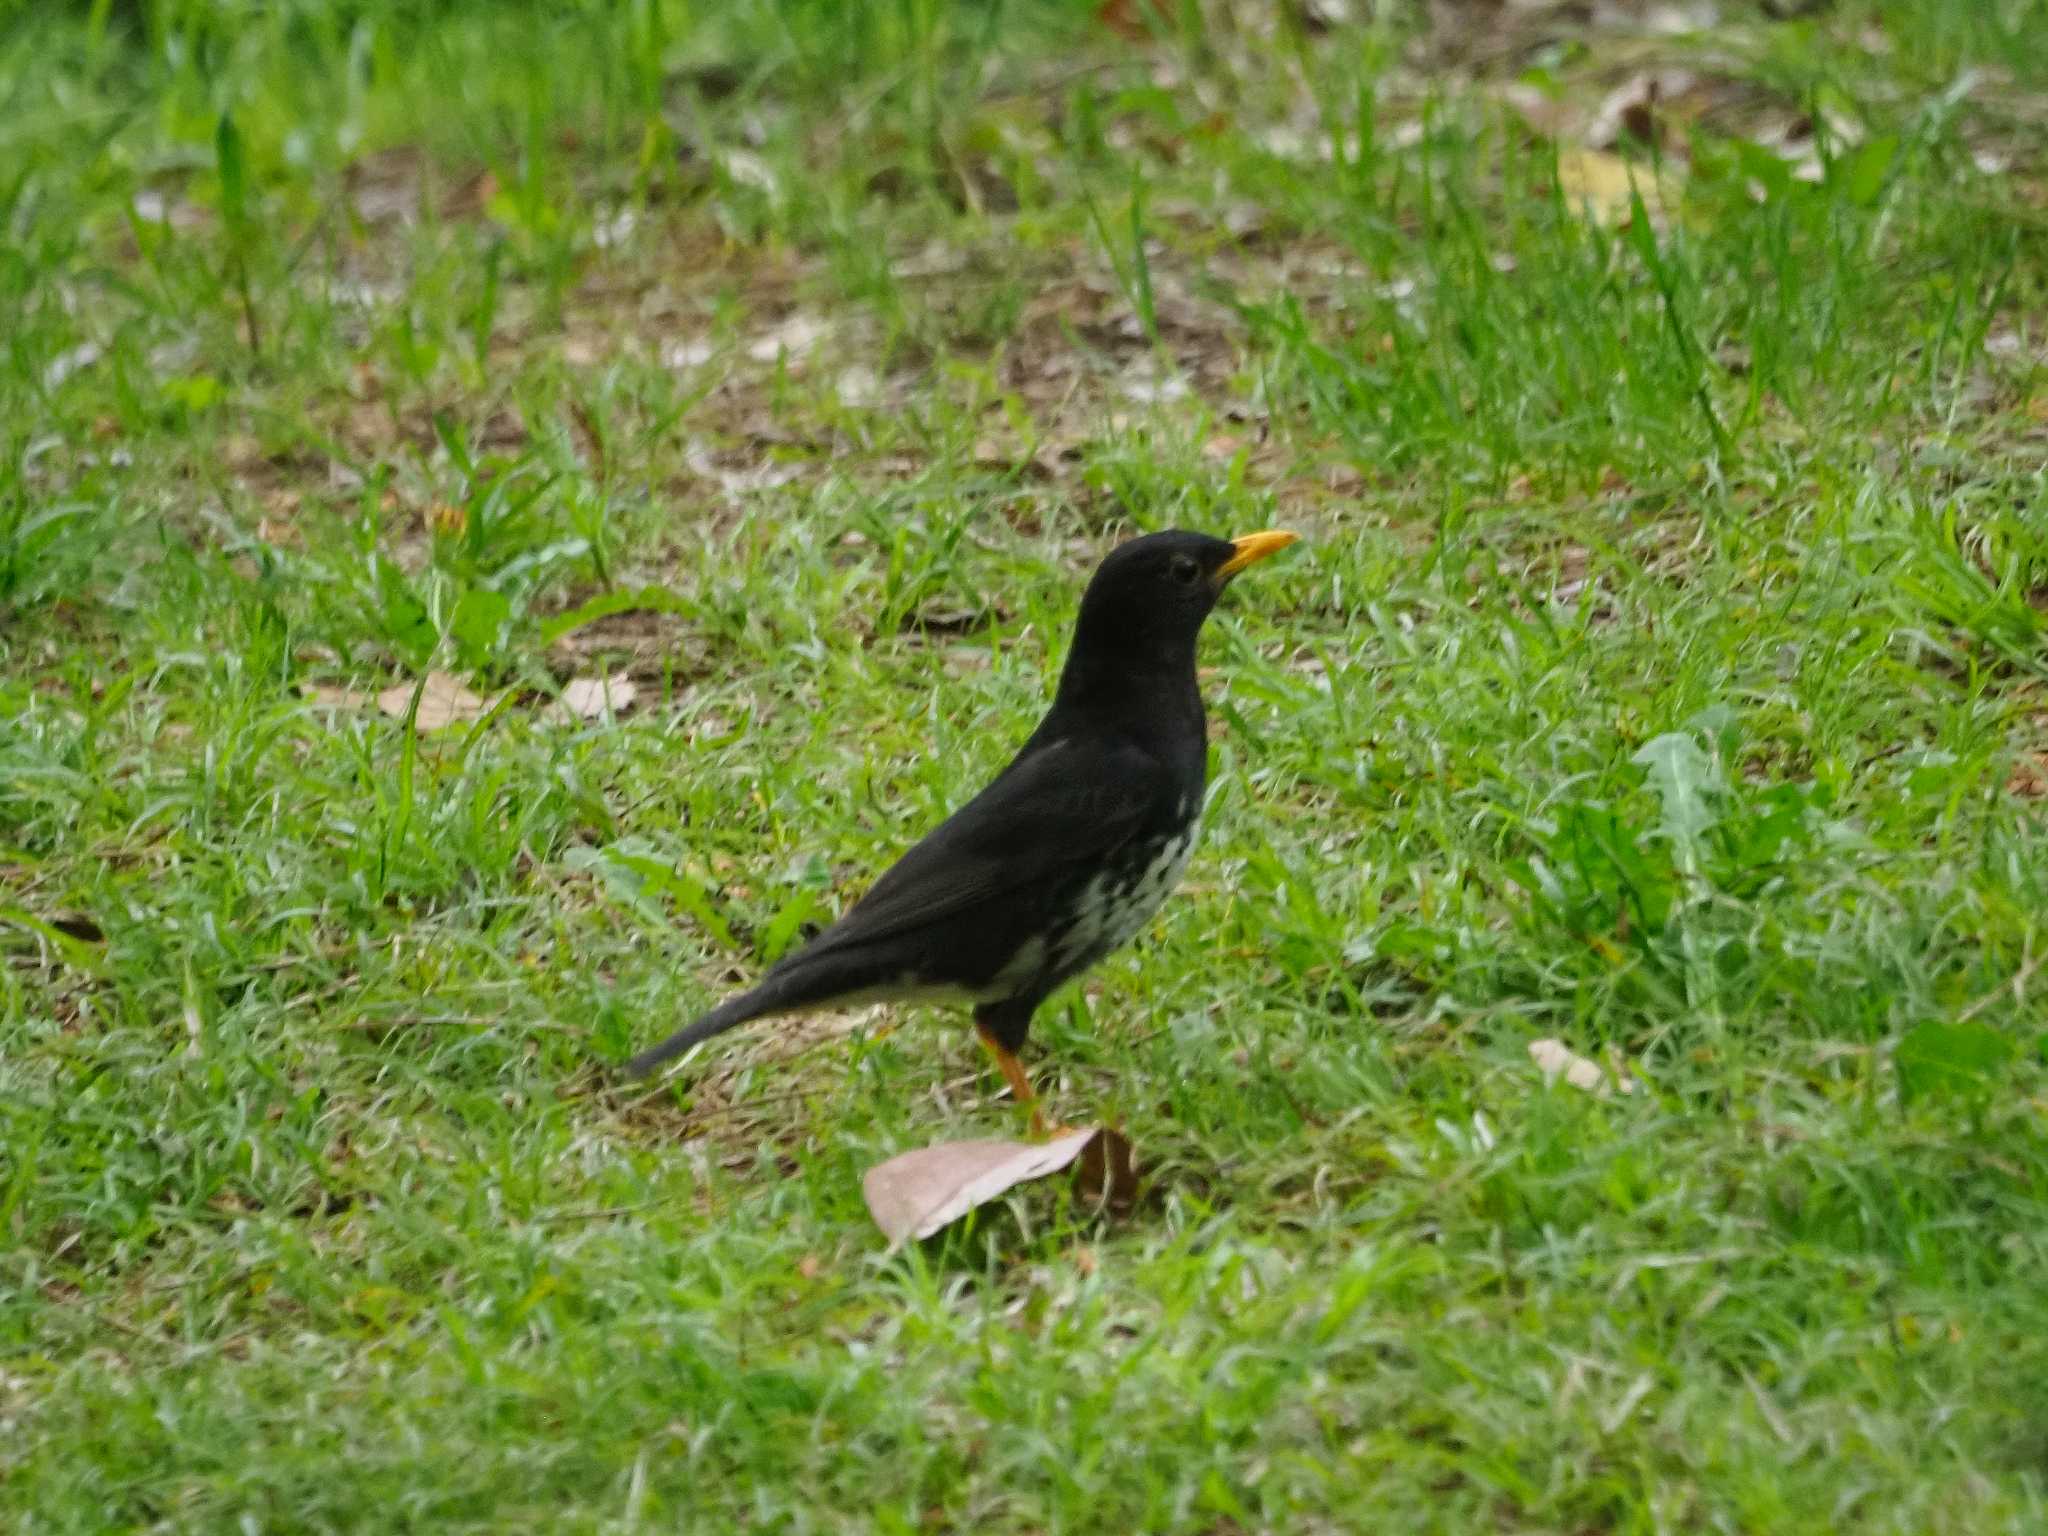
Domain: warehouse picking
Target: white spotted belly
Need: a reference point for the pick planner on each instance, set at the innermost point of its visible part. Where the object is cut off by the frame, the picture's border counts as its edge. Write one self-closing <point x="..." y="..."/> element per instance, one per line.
<point x="1115" y="906"/>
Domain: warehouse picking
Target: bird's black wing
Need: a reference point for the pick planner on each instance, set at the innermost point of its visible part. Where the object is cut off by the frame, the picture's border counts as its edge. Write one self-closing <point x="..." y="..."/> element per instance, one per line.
<point x="1066" y="803"/>
<point x="1056" y="808"/>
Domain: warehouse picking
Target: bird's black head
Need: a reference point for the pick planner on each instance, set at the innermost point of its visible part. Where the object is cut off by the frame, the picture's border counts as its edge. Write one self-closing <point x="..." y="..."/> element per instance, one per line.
<point x="1148" y="599"/>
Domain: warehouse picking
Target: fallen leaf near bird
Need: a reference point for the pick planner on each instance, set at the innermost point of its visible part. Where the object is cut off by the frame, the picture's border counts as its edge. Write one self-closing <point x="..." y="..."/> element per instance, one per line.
<point x="915" y="1194"/>
<point x="1555" y="1059"/>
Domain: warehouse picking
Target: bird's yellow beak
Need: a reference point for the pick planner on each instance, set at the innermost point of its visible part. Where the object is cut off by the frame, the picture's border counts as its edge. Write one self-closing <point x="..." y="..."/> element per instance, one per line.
<point x="1253" y="548"/>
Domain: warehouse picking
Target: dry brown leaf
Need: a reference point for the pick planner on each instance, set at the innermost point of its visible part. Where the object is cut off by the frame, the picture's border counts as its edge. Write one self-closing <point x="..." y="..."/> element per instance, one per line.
<point x="1124" y="18"/>
<point x="443" y="702"/>
<point x="470" y="198"/>
<point x="1555" y="1059"/>
<point x="2029" y="779"/>
<point x="588" y="698"/>
<point x="913" y="1195"/>
<point x="327" y="696"/>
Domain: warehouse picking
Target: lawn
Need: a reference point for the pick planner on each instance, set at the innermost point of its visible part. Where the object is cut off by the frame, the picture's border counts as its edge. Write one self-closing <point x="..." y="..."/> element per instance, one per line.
<point x="511" y="513"/>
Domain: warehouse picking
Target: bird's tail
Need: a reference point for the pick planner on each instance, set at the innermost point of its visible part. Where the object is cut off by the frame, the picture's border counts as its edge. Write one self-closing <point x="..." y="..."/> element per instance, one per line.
<point x="730" y="1014"/>
<point x="803" y="980"/>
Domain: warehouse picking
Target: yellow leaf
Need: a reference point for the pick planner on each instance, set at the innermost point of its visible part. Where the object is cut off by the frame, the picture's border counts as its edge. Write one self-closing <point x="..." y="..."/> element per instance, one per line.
<point x="1598" y="184"/>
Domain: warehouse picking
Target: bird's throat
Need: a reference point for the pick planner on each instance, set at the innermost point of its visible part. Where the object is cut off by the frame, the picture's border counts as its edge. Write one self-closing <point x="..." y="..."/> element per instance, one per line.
<point x="1135" y="692"/>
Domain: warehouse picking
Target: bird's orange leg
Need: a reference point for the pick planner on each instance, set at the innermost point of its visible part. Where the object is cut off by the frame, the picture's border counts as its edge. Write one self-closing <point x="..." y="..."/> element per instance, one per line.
<point x="1019" y="1081"/>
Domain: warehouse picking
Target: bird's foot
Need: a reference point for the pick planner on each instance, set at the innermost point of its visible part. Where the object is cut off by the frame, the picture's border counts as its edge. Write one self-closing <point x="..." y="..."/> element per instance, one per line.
<point x="1021" y="1091"/>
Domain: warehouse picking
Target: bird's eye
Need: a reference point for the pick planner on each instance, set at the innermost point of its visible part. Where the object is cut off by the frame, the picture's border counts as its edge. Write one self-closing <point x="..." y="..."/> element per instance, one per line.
<point x="1186" y="570"/>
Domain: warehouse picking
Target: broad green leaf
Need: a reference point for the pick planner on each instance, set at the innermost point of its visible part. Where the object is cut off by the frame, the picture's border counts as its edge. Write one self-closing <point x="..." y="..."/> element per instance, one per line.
<point x="1682" y="777"/>
<point x="194" y="391"/>
<point x="1937" y="1057"/>
<point x="775" y="938"/>
<point x="1861" y="173"/>
<point x="1768" y="170"/>
<point x="477" y="622"/>
<point x="227" y="149"/>
<point x="407" y="625"/>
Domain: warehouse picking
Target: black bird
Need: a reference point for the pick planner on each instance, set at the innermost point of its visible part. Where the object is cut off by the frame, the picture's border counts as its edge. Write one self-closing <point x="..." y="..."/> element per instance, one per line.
<point x="1067" y="853"/>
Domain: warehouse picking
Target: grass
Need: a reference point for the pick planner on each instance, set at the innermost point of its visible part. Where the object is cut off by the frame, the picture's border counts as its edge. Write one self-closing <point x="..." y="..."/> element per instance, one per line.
<point x="1663" y="672"/>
